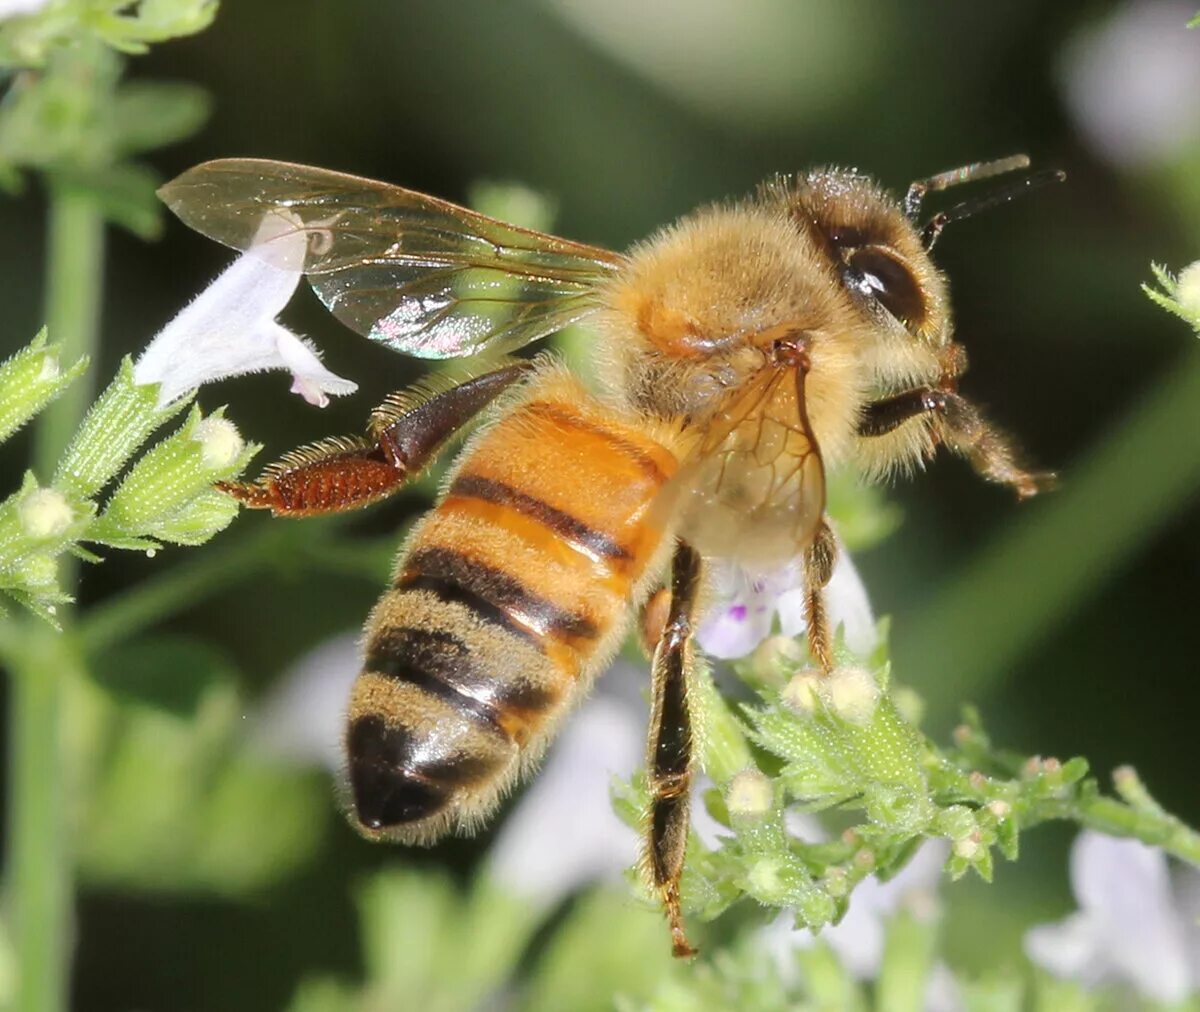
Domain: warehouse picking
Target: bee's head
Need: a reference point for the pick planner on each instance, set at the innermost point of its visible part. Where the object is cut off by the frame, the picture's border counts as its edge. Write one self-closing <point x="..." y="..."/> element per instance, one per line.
<point x="874" y="249"/>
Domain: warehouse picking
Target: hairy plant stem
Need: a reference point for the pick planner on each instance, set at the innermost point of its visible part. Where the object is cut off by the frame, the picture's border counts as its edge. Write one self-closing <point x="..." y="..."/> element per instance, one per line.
<point x="38" y="878"/>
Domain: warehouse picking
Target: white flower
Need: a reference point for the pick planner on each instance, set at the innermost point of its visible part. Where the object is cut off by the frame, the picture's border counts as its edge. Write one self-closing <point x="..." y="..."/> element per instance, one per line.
<point x="229" y="329"/>
<point x="564" y="834"/>
<point x="1130" y="927"/>
<point x="1131" y="82"/>
<point x="746" y="603"/>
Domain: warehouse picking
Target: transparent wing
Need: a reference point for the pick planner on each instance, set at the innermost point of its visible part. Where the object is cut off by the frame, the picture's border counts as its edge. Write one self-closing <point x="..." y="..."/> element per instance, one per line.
<point x="760" y="458"/>
<point x="421" y="275"/>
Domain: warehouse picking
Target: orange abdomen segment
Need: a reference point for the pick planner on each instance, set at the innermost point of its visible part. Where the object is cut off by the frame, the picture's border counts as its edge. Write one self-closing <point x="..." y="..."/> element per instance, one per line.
<point x="510" y="594"/>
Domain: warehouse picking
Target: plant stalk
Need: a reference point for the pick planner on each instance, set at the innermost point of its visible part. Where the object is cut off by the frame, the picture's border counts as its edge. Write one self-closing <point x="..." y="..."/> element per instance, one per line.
<point x="39" y="874"/>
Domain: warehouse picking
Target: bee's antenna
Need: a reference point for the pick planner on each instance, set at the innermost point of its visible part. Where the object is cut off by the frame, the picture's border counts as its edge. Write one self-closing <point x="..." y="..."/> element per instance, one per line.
<point x="953" y="177"/>
<point x="933" y="228"/>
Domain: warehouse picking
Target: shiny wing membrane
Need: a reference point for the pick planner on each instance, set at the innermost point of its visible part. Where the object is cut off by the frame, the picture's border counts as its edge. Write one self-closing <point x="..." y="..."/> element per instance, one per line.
<point x="420" y="275"/>
<point x="763" y="454"/>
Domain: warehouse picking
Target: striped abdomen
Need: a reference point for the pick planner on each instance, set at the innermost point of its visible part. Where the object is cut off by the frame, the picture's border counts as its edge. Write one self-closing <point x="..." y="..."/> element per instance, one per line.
<point x="508" y="597"/>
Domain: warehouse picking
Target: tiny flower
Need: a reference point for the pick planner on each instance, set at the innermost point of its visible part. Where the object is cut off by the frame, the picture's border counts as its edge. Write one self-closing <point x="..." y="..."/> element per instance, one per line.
<point x="1130" y="928"/>
<point x="45" y="513"/>
<point x="747" y="603"/>
<point x="229" y="329"/>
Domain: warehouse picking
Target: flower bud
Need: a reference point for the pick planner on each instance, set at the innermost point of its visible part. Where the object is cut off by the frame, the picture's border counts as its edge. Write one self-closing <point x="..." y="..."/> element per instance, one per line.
<point x="750" y="795"/>
<point x="45" y="513"/>
<point x="29" y="380"/>
<point x="999" y="808"/>
<point x="220" y="442"/>
<point x="168" y="493"/>
<point x="1188" y="292"/>
<point x="969" y="847"/>
<point x="800" y="693"/>
<point x="853" y="693"/>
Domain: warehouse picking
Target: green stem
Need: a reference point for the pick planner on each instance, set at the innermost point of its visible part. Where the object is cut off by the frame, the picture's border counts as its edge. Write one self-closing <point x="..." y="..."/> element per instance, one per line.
<point x="39" y="856"/>
<point x="39" y="872"/>
<point x="1108" y="815"/>
<point x="74" y="269"/>
<point x="1111" y="503"/>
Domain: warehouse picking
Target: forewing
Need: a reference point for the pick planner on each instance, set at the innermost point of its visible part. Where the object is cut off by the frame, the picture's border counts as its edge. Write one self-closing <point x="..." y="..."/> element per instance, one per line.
<point x="421" y="275"/>
<point x="762" y="459"/>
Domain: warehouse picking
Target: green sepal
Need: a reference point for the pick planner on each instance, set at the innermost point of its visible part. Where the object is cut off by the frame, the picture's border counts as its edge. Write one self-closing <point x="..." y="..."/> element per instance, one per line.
<point x="168" y="493"/>
<point x="118" y="423"/>
<point x="31" y="379"/>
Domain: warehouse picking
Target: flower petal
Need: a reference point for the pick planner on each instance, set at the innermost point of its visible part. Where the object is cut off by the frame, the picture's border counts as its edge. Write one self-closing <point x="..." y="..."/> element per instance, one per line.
<point x="1124" y="888"/>
<point x="302" y="719"/>
<point x="1071" y="948"/>
<point x="229" y="329"/>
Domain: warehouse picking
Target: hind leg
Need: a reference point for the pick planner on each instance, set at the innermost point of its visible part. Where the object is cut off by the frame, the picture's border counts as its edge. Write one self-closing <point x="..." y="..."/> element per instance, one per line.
<point x="670" y="745"/>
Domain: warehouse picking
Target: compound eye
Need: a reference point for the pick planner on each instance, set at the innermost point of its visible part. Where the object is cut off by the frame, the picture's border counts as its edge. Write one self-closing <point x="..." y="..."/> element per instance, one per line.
<point x="890" y="283"/>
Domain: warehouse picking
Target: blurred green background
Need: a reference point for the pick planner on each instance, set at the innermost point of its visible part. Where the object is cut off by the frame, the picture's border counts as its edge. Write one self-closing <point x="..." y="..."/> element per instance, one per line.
<point x="1071" y="621"/>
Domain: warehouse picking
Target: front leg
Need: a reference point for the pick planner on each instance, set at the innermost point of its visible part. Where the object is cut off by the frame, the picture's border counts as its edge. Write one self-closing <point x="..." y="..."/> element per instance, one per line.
<point x="669" y="749"/>
<point x="404" y="435"/>
<point x="962" y="427"/>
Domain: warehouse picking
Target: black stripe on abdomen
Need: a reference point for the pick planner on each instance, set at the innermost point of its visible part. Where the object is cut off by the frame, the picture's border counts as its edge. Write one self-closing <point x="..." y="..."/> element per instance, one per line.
<point x="569" y="528"/>
<point x="496" y="597"/>
<point x="439" y="663"/>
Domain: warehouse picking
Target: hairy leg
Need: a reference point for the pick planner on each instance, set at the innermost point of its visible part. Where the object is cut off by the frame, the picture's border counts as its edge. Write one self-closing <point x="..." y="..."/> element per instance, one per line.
<point x="669" y="749"/>
<point x="403" y="436"/>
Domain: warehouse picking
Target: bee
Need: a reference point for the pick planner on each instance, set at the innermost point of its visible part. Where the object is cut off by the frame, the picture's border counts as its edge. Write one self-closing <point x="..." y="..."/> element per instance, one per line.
<point x="737" y="355"/>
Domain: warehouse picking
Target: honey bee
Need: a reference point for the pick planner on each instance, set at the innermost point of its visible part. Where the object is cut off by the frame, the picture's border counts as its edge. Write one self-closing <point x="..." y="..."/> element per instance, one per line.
<point x="738" y="354"/>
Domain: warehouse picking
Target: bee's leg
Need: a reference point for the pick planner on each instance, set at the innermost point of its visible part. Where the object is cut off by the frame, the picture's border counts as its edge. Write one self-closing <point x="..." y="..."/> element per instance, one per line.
<point x="818" y="561"/>
<point x="403" y="436"/>
<point x="961" y="426"/>
<point x="669" y="748"/>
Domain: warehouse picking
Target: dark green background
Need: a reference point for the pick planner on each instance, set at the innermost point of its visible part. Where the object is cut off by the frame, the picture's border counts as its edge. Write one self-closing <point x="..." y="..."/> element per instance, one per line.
<point x="436" y="95"/>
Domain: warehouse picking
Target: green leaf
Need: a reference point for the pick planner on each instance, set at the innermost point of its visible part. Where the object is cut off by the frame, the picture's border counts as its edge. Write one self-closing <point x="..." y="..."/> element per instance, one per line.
<point x="149" y="115"/>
